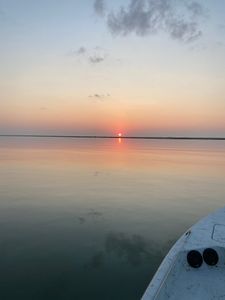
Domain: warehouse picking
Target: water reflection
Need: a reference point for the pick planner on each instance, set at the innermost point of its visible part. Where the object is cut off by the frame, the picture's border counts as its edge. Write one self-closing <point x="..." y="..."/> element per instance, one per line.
<point x="91" y="215"/>
<point x="134" y="249"/>
<point x="78" y="218"/>
<point x="97" y="261"/>
<point x="82" y="220"/>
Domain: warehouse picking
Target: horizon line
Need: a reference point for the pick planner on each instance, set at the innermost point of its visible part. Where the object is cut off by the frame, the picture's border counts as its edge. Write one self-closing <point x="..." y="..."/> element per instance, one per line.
<point x="114" y="137"/>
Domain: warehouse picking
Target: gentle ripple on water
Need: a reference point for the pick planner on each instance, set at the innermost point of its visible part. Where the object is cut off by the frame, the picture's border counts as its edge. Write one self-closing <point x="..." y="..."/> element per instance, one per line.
<point x="92" y="219"/>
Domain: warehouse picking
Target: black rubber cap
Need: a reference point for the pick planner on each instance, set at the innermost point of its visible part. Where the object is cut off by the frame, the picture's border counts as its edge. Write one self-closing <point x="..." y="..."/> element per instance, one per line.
<point x="210" y="257"/>
<point x="194" y="259"/>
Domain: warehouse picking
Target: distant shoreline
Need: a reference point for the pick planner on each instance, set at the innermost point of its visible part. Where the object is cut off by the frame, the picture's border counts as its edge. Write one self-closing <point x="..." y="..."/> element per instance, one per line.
<point x="113" y="137"/>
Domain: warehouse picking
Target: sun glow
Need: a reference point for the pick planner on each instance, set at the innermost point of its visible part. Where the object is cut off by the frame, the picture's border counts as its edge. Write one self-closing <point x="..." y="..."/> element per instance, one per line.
<point x="120" y="134"/>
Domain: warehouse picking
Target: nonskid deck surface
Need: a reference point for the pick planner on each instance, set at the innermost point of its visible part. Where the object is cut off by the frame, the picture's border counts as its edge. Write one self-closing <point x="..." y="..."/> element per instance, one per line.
<point x="205" y="279"/>
<point x="185" y="282"/>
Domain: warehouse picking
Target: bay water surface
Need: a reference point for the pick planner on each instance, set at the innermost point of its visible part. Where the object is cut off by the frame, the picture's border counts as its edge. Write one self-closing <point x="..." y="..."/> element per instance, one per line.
<point x="93" y="218"/>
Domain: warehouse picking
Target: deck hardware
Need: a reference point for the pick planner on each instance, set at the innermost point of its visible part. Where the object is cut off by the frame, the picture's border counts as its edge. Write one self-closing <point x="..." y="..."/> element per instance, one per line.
<point x="210" y="257"/>
<point x="194" y="259"/>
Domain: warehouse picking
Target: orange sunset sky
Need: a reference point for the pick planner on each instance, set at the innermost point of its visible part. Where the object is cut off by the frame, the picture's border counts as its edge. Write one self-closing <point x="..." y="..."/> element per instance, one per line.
<point x="92" y="67"/>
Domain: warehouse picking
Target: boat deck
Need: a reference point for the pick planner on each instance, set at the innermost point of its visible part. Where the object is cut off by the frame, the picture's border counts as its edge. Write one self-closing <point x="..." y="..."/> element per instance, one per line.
<point x="176" y="279"/>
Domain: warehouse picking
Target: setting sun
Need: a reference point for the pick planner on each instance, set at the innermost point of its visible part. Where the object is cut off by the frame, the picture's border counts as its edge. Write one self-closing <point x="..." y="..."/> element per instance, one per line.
<point x="112" y="120"/>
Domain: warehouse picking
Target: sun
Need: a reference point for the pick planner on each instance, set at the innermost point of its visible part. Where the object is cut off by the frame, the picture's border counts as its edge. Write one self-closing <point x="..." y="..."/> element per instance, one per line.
<point x="119" y="134"/>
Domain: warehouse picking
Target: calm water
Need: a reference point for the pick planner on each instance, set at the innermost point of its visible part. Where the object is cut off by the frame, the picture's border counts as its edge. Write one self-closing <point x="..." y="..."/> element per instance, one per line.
<point x="92" y="219"/>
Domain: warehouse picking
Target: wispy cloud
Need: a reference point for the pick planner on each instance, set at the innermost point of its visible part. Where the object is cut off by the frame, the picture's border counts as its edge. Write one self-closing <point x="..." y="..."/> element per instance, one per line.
<point x="81" y="50"/>
<point x="184" y="31"/>
<point x="97" y="55"/>
<point x="99" y="7"/>
<point x="93" y="56"/>
<point x="180" y="19"/>
<point x="195" y="8"/>
<point x="99" y="97"/>
<point x="96" y="59"/>
<point x="77" y="52"/>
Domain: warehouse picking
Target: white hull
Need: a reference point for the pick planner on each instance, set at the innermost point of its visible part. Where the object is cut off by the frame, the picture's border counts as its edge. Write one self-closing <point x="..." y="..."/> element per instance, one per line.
<point x="177" y="279"/>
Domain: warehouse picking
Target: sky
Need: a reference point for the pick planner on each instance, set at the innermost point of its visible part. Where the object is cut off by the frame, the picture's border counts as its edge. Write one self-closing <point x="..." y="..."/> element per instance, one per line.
<point x="95" y="67"/>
